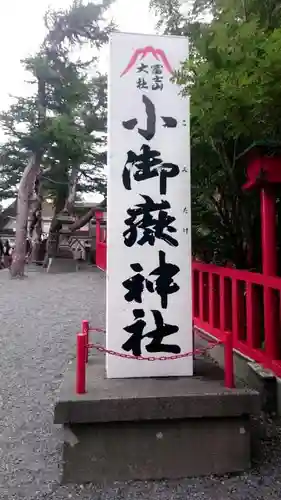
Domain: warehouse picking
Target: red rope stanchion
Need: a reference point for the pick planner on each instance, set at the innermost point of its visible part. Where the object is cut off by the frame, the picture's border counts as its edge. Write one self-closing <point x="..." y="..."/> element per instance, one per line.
<point x="228" y="361"/>
<point x="85" y="331"/>
<point x="81" y="364"/>
<point x="83" y="347"/>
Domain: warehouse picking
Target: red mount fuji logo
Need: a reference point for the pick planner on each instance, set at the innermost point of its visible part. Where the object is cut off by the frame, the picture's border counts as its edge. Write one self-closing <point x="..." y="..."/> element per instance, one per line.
<point x="159" y="54"/>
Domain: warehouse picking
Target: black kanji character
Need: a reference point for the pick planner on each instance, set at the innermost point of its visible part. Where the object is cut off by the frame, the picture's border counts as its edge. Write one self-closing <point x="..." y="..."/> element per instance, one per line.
<point x="148" y="165"/>
<point x="157" y="80"/>
<point x="185" y="230"/>
<point x="169" y="122"/>
<point x="134" y="342"/>
<point x="130" y="124"/>
<point x="149" y="132"/>
<point x="161" y="331"/>
<point x="164" y="283"/>
<point x="184" y="169"/>
<point x="185" y="211"/>
<point x="144" y="163"/>
<point x="135" y="285"/>
<point x="140" y="218"/>
<point x="142" y="68"/>
<point x="157" y="69"/>
<point x="142" y="84"/>
<point x="157" y="83"/>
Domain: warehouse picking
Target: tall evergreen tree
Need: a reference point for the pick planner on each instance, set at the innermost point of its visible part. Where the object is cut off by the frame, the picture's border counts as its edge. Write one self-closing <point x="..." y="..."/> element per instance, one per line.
<point x="232" y="77"/>
<point x="52" y="141"/>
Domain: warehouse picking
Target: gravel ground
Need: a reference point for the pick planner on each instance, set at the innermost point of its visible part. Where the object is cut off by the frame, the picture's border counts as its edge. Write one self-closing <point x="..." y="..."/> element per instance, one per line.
<point x="39" y="317"/>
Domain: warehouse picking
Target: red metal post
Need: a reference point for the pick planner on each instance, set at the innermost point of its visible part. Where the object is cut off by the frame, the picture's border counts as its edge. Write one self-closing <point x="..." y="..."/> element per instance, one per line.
<point x="268" y="229"/>
<point x="81" y="364"/>
<point x="85" y="331"/>
<point x="228" y="361"/>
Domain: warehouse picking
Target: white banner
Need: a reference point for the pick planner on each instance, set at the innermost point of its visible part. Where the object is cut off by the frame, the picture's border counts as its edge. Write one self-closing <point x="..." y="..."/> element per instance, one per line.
<point x="149" y="309"/>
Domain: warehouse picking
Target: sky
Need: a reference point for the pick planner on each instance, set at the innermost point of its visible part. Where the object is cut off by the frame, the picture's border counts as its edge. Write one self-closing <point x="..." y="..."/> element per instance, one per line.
<point x="22" y="30"/>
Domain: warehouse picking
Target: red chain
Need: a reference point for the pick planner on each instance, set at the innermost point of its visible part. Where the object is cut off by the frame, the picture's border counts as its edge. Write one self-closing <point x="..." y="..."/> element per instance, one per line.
<point x="197" y="352"/>
<point x="200" y="334"/>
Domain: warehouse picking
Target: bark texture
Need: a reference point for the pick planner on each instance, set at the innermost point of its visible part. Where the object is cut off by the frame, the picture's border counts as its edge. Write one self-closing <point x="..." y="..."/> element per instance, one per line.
<point x="24" y="194"/>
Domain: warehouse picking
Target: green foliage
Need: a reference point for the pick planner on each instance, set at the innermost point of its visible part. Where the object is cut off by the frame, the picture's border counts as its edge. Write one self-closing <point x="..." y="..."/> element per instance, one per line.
<point x="80" y="24"/>
<point x="65" y="114"/>
<point x="232" y="78"/>
<point x="170" y="19"/>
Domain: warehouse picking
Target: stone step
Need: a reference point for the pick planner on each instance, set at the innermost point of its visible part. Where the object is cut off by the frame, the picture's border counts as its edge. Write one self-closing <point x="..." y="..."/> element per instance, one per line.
<point x="61" y="265"/>
<point x="66" y="265"/>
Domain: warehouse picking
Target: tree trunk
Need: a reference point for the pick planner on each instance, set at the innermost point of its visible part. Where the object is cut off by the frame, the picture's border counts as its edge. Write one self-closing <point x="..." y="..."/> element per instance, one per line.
<point x="26" y="189"/>
<point x="24" y="194"/>
<point x="69" y="205"/>
<point x="83" y="220"/>
<point x="35" y="230"/>
<point x="36" y="245"/>
<point x="53" y="237"/>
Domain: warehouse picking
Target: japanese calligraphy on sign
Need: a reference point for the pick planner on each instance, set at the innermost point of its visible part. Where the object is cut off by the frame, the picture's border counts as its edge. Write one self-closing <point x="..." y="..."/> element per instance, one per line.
<point x="149" y="243"/>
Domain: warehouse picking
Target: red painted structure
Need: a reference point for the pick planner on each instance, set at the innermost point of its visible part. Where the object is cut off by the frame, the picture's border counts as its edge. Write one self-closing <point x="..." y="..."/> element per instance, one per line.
<point x="246" y="304"/>
<point x="264" y="174"/>
<point x="237" y="301"/>
<point x="100" y="241"/>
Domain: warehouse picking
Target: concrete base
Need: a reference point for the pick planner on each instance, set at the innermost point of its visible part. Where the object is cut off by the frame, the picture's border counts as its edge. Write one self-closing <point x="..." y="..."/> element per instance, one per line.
<point x="278" y="398"/>
<point x="153" y="428"/>
<point x="263" y="381"/>
<point x="163" y="449"/>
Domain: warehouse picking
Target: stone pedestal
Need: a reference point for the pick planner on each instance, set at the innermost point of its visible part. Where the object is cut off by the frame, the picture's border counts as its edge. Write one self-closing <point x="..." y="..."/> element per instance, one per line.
<point x="165" y="428"/>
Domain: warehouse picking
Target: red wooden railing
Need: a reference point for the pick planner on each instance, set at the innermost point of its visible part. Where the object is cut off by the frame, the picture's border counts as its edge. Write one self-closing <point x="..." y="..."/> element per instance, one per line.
<point x="230" y="300"/>
<point x="244" y="303"/>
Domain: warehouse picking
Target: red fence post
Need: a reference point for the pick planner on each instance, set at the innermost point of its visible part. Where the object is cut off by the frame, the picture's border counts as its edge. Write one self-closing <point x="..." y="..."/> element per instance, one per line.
<point x="211" y="300"/>
<point x="222" y="304"/>
<point x="228" y="361"/>
<point x="85" y="331"/>
<point x="81" y="364"/>
<point x="268" y="228"/>
<point x="271" y="326"/>
<point x="201" y="296"/>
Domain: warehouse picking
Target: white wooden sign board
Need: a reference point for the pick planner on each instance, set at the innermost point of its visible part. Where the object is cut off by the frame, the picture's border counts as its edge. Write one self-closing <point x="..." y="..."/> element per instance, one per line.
<point x="149" y="309"/>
